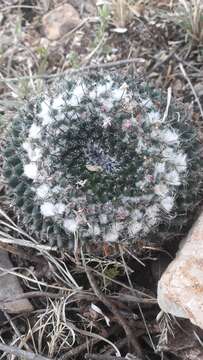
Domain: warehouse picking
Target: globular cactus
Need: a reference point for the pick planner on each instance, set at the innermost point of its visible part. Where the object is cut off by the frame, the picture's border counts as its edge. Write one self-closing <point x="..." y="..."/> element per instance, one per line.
<point x="98" y="158"/>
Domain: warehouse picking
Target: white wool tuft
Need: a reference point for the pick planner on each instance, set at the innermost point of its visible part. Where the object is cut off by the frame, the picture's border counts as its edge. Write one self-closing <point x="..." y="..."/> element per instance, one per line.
<point x="47" y="209"/>
<point x="180" y="162"/>
<point x="58" y="102"/>
<point x="70" y="225"/>
<point x="108" y="103"/>
<point x="56" y="189"/>
<point x="45" y="113"/>
<point x="59" y="208"/>
<point x="140" y="146"/>
<point x="95" y="230"/>
<point x="106" y="122"/>
<point x="103" y="219"/>
<point x="153" y="117"/>
<point x="102" y="89"/>
<point x="34" y="154"/>
<point x="169" y="137"/>
<point x="77" y="95"/>
<point x="159" y="169"/>
<point x="167" y="203"/>
<point x="173" y="178"/>
<point x="27" y="147"/>
<point x="152" y="215"/>
<point x="34" y="132"/>
<point x="147" y="103"/>
<point x="111" y="236"/>
<point x="117" y="94"/>
<point x="42" y="191"/>
<point x="137" y="214"/>
<point x="30" y="170"/>
<point x="161" y="189"/>
<point x="134" y="227"/>
<point x="170" y="155"/>
<point x="155" y="134"/>
<point x="178" y="159"/>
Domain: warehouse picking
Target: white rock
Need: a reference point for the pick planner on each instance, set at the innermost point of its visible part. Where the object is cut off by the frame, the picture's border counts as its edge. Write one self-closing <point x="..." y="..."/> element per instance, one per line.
<point x="180" y="289"/>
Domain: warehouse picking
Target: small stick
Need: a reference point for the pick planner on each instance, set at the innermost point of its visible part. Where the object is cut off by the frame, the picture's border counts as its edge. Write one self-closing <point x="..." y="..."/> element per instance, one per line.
<point x="129" y="333"/>
<point x="103" y="357"/>
<point x="28" y="355"/>
<point x="27" y="243"/>
<point x="120" y="344"/>
<point x="77" y="350"/>
<point x="162" y="62"/>
<point x="192" y="88"/>
<point x="7" y="316"/>
<point x="80" y="348"/>
<point x="33" y="294"/>
<point x="73" y="71"/>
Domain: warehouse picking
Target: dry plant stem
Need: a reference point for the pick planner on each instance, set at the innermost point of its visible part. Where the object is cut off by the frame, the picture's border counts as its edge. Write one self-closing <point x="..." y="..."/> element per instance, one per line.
<point x="20" y="253"/>
<point x="81" y="295"/>
<point x="79" y="349"/>
<point x="135" y="298"/>
<point x="35" y="281"/>
<point x="83" y="347"/>
<point x="33" y="294"/>
<point x="129" y="333"/>
<point x="7" y="316"/>
<point x="192" y="88"/>
<point x="26" y="243"/>
<point x="10" y="7"/>
<point x="162" y="62"/>
<point x="21" y="353"/>
<point x="103" y="357"/>
<point x="120" y="344"/>
<point x="94" y="51"/>
<point x="74" y="71"/>
<point x="83" y="22"/>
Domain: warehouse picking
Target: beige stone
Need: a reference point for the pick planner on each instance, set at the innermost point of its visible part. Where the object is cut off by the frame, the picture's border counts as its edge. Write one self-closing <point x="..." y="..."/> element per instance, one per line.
<point x="180" y="289"/>
<point x="10" y="289"/>
<point x="59" y="21"/>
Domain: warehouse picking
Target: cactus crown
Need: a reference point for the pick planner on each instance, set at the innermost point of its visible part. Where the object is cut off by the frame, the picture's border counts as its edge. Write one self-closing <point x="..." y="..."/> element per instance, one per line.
<point x="96" y="157"/>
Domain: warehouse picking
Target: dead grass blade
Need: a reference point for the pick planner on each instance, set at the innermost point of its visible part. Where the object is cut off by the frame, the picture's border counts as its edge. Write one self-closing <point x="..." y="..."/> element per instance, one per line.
<point x="189" y="15"/>
<point x="21" y="353"/>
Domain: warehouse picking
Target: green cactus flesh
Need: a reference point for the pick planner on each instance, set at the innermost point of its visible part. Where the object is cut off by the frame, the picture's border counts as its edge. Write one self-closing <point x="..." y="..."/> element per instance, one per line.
<point x="96" y="157"/>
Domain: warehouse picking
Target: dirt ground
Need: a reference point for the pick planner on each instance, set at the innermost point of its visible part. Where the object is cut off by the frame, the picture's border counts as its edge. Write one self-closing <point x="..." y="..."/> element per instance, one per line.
<point x="101" y="308"/>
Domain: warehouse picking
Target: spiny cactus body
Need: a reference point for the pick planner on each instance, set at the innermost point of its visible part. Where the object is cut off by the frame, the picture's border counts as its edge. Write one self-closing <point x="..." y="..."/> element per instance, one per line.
<point x="98" y="159"/>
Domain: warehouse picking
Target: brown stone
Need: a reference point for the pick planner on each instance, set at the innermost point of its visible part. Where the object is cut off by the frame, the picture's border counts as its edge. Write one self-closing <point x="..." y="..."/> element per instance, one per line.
<point x="10" y="289"/>
<point x="59" y="21"/>
<point x="180" y="289"/>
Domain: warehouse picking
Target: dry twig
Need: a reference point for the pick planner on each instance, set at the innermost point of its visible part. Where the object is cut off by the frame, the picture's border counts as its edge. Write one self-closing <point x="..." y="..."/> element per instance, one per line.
<point x="103" y="357"/>
<point x="21" y="353"/>
<point x="73" y="71"/>
<point x="192" y="88"/>
<point x="129" y="333"/>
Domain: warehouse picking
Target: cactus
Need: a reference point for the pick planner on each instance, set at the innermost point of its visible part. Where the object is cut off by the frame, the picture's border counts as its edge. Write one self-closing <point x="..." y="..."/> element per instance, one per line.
<point x="95" y="157"/>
